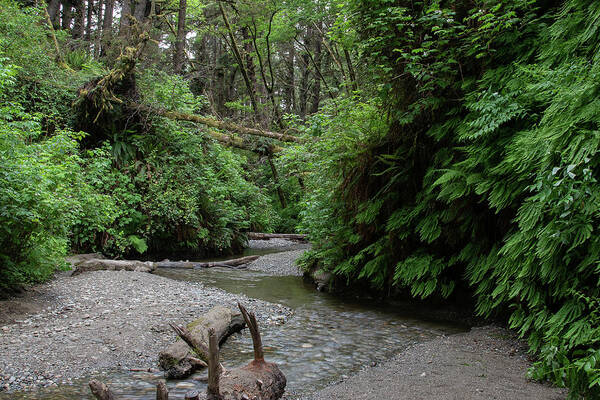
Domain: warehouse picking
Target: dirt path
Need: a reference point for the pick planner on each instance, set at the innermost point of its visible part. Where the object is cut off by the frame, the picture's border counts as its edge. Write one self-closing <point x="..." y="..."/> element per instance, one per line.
<point x="483" y="364"/>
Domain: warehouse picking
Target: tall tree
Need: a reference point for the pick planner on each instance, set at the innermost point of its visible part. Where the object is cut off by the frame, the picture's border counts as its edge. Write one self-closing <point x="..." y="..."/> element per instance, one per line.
<point x="107" y="23"/>
<point x="79" y="26"/>
<point x="124" y="23"/>
<point x="179" y="56"/>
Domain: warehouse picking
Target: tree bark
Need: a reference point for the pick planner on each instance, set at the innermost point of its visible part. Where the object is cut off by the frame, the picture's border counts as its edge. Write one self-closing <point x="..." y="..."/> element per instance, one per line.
<point x="140" y="10"/>
<point x="53" y="12"/>
<point x="67" y="15"/>
<point x="317" y="59"/>
<point x="280" y="193"/>
<point x="89" y="21"/>
<point x="350" y="70"/>
<point x="79" y="27"/>
<point x="179" y="57"/>
<point x="290" y="84"/>
<point x="107" y="25"/>
<point x="124" y="22"/>
<point x="99" y="24"/>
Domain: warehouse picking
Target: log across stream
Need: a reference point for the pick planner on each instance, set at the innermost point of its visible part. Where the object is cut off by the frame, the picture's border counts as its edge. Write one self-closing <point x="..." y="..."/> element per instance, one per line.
<point x="325" y="339"/>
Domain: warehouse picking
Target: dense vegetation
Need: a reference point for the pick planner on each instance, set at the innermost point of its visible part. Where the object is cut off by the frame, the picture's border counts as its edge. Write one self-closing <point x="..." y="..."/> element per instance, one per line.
<point x="443" y="149"/>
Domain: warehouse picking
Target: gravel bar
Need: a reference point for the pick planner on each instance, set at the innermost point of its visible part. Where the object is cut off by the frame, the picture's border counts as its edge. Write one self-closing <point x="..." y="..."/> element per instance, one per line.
<point x="281" y="264"/>
<point x="104" y="320"/>
<point x="484" y="364"/>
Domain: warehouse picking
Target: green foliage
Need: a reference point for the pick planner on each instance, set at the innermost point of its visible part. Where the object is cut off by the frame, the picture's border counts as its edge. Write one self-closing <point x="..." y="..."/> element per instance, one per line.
<point x="38" y="176"/>
<point x="486" y="174"/>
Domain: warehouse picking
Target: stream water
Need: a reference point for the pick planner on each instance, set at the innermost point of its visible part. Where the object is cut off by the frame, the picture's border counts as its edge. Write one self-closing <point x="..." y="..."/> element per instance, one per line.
<point x="326" y="339"/>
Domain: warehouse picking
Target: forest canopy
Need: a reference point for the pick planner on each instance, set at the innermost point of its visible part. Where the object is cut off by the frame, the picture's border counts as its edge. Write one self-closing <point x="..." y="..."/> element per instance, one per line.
<point x="440" y="150"/>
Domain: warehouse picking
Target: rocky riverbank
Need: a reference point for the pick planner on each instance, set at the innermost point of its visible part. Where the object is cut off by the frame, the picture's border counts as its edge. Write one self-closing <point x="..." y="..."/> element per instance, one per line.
<point x="103" y="320"/>
<point x="486" y="363"/>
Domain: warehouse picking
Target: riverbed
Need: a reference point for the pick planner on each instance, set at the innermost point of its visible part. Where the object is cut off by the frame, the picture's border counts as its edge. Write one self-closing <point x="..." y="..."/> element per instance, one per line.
<point x="108" y="325"/>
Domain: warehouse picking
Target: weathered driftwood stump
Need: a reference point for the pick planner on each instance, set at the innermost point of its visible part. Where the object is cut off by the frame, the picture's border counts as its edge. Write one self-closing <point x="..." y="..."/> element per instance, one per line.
<point x="259" y="380"/>
<point x="179" y="361"/>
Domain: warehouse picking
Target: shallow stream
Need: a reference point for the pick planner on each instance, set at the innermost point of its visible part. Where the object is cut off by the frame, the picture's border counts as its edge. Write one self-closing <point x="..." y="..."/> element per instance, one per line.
<point x="326" y="339"/>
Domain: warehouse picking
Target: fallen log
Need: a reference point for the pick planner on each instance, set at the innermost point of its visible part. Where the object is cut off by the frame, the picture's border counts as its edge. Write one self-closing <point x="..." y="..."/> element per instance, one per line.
<point x="257" y="380"/>
<point x="97" y="264"/>
<point x="267" y="236"/>
<point x="179" y="361"/>
<point x="215" y="123"/>
<point x="235" y="262"/>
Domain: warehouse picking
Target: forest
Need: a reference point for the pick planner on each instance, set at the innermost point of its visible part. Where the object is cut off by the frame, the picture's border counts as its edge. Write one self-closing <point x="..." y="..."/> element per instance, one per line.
<point x="440" y="150"/>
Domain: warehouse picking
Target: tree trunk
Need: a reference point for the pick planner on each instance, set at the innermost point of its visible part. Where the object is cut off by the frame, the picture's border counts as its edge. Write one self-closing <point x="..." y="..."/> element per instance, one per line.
<point x="280" y="193"/>
<point x="124" y="22"/>
<point x="179" y="361"/>
<point x="67" y="15"/>
<point x="89" y="22"/>
<point x="240" y="60"/>
<point x="350" y="70"/>
<point x="98" y="33"/>
<point x="107" y="25"/>
<point x="257" y="380"/>
<point x="316" y="89"/>
<point x="140" y="10"/>
<point x="303" y="91"/>
<point x="290" y="84"/>
<point x="53" y="12"/>
<point x="179" y="57"/>
<point x="79" y="27"/>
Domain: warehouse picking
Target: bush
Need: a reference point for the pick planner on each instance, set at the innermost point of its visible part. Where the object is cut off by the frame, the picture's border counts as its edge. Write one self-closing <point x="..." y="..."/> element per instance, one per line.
<point x="484" y="183"/>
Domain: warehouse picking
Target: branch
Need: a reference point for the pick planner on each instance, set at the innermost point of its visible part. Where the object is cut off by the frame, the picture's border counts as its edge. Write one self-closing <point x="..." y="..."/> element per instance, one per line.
<point x="250" y="319"/>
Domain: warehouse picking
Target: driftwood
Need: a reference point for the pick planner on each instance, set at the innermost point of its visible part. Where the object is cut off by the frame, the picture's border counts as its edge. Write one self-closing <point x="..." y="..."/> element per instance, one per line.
<point x="86" y="264"/>
<point x="162" y="393"/>
<point x="96" y="264"/>
<point x="100" y="390"/>
<point x="236" y="262"/>
<point x="178" y="361"/>
<point x="257" y="380"/>
<point x="267" y="236"/>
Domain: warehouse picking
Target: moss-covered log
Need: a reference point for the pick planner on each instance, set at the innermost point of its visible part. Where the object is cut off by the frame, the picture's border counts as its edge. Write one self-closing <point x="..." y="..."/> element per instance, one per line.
<point x="215" y="123"/>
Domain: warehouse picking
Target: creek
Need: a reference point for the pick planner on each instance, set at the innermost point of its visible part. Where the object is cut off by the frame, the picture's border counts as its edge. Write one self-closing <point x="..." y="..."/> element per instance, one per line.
<point x="326" y="339"/>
